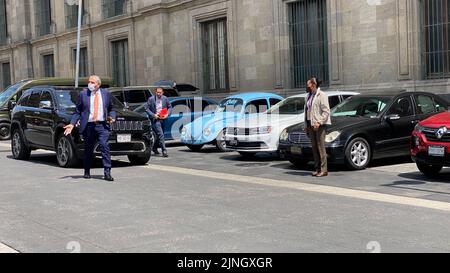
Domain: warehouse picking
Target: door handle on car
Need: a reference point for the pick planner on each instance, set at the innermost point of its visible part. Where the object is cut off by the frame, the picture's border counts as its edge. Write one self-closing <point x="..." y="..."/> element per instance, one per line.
<point x="415" y="121"/>
<point x="37" y="113"/>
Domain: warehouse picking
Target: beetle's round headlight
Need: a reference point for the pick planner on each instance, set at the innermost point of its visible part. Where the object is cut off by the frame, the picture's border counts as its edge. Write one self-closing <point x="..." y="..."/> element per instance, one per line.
<point x="331" y="137"/>
<point x="183" y="131"/>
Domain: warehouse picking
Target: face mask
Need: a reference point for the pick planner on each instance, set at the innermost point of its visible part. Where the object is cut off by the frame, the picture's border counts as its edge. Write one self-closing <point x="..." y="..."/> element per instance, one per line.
<point x="91" y="87"/>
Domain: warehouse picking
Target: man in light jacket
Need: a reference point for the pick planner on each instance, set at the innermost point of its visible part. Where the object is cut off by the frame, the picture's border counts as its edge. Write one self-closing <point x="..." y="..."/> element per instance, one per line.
<point x="317" y="118"/>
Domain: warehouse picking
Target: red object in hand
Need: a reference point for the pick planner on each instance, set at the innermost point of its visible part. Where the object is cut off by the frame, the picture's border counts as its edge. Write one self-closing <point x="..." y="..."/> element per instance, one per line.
<point x="164" y="113"/>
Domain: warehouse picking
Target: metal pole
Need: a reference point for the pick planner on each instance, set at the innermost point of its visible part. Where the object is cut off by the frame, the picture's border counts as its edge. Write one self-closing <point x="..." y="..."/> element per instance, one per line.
<point x="77" y="68"/>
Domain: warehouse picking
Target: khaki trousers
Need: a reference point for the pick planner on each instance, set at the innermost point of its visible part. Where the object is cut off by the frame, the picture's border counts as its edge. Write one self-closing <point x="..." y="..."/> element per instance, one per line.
<point x="318" y="147"/>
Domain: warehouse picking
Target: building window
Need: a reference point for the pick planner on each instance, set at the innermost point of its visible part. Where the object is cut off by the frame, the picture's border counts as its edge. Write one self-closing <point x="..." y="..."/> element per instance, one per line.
<point x="42" y="17"/>
<point x="72" y="15"/>
<point x="120" y="67"/>
<point x="5" y="70"/>
<point x="215" y="55"/>
<point x="3" y="23"/>
<point x="84" y="69"/>
<point x="436" y="32"/>
<point x="113" y="8"/>
<point x="308" y="41"/>
<point x="49" y="65"/>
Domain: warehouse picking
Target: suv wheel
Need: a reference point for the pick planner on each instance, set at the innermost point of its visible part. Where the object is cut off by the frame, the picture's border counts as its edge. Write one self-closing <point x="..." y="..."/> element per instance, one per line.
<point x="19" y="150"/>
<point x="65" y="154"/>
<point x="5" y="131"/>
<point x="220" y="142"/>
<point x="429" y="170"/>
<point x="358" y="154"/>
<point x="140" y="160"/>
<point x="195" y="148"/>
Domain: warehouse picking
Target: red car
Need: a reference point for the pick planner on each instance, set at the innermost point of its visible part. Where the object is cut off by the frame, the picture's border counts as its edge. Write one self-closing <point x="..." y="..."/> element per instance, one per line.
<point x="430" y="144"/>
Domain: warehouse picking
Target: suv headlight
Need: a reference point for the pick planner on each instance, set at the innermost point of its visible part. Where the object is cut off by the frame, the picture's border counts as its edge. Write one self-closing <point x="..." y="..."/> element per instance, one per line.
<point x="331" y="137"/>
<point x="419" y="128"/>
<point x="284" y="135"/>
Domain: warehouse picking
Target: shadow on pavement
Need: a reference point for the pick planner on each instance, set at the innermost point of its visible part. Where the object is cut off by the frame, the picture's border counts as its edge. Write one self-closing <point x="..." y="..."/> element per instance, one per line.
<point x="443" y="177"/>
<point x="50" y="160"/>
<point x="81" y="178"/>
<point x="409" y="185"/>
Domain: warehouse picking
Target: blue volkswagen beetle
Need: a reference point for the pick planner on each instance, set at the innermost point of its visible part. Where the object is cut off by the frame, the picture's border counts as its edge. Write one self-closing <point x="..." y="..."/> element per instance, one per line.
<point x="185" y="110"/>
<point x="209" y="129"/>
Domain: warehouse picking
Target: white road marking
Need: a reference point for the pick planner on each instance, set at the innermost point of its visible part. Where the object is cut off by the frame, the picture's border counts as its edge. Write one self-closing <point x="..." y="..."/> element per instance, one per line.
<point x="6" y="249"/>
<point x="5" y="145"/>
<point x="343" y="192"/>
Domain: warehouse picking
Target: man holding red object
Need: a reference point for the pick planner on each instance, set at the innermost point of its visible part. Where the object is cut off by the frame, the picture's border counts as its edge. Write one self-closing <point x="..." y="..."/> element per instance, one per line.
<point x="158" y="109"/>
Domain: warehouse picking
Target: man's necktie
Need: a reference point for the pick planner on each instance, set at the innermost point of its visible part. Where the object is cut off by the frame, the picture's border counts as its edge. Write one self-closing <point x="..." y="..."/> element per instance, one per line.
<point x="96" y="106"/>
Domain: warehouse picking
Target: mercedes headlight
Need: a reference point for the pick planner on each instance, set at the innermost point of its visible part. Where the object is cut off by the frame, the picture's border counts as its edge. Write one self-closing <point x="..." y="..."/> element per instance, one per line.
<point x="331" y="137"/>
<point x="264" y="130"/>
<point x="284" y="135"/>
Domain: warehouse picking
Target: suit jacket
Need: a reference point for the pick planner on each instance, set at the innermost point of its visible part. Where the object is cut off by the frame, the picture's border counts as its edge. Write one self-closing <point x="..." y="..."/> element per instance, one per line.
<point x="83" y="110"/>
<point x="320" y="109"/>
<point x="150" y="107"/>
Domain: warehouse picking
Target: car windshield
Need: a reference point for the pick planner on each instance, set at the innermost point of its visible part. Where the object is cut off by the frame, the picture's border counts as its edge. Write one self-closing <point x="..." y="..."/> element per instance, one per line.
<point x="67" y="99"/>
<point x="232" y="105"/>
<point x="140" y="109"/>
<point x="290" y="106"/>
<point x="361" y="106"/>
<point x="5" y="95"/>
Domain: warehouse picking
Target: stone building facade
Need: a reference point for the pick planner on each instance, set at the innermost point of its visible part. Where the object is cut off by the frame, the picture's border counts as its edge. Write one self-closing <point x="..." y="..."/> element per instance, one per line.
<point x="226" y="46"/>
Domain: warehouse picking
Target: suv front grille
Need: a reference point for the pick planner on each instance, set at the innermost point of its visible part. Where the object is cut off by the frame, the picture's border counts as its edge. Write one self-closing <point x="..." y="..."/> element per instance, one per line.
<point x="127" y="126"/>
<point x="430" y="134"/>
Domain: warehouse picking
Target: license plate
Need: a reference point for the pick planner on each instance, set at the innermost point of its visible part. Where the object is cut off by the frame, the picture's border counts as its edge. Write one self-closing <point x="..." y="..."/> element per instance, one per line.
<point x="234" y="142"/>
<point x="296" y="150"/>
<point x="124" y="138"/>
<point x="436" y="151"/>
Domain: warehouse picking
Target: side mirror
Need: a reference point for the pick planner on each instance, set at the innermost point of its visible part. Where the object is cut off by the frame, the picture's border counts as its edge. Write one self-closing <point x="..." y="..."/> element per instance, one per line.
<point x="46" y="104"/>
<point x="11" y="105"/>
<point x="392" y="117"/>
<point x="127" y="106"/>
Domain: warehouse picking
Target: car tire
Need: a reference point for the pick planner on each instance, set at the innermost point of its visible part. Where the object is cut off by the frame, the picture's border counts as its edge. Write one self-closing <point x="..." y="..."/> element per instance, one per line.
<point x="140" y="160"/>
<point x="195" y="148"/>
<point x="299" y="163"/>
<point x="221" y="143"/>
<point x="429" y="170"/>
<point x="65" y="153"/>
<point x="247" y="154"/>
<point x="358" y="154"/>
<point x="5" y="131"/>
<point x="18" y="147"/>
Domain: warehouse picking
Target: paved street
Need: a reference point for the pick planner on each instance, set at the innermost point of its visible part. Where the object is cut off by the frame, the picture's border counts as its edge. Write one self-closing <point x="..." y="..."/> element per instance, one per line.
<point x="219" y="202"/>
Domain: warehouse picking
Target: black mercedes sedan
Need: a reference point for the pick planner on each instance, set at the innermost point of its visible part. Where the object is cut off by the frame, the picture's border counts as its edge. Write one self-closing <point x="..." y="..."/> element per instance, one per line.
<point x="370" y="126"/>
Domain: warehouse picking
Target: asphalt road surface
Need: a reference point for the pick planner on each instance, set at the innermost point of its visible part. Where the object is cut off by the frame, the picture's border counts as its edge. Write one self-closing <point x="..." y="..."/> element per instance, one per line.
<point x="220" y="202"/>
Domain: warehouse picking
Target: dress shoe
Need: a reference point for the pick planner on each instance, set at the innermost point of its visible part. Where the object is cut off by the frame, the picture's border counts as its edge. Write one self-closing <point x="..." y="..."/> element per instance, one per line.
<point x="109" y="178"/>
<point x="322" y="174"/>
<point x="156" y="152"/>
<point x="87" y="176"/>
<point x="165" y="154"/>
<point x="315" y="173"/>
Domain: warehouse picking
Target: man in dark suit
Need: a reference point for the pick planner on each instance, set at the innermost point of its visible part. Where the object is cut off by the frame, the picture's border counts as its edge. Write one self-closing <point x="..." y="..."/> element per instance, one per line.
<point x="94" y="113"/>
<point x="155" y="107"/>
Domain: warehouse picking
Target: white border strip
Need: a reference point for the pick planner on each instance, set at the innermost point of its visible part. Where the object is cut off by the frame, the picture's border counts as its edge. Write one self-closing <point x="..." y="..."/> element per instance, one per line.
<point x="6" y="249"/>
<point x="343" y="192"/>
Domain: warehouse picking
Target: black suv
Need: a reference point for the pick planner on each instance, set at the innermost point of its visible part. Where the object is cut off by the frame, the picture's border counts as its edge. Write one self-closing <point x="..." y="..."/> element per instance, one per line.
<point x="42" y="112"/>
